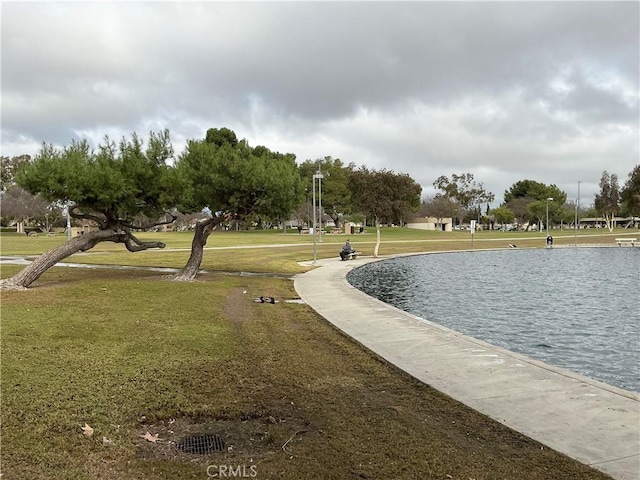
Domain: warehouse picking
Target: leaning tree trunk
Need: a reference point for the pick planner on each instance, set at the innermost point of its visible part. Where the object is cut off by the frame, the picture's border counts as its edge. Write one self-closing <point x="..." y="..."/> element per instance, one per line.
<point x="82" y="243"/>
<point x="32" y="272"/>
<point x="200" y="235"/>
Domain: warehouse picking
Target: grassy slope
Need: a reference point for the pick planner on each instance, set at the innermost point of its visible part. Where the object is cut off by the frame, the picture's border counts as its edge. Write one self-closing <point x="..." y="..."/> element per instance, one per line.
<point x="129" y="352"/>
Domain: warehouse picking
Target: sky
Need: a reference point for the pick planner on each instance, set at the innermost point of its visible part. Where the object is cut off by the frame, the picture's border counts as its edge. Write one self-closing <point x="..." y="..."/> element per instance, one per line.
<point x="505" y="90"/>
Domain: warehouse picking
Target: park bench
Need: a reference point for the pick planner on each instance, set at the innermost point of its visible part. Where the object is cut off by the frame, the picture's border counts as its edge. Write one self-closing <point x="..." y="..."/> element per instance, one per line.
<point x="626" y="241"/>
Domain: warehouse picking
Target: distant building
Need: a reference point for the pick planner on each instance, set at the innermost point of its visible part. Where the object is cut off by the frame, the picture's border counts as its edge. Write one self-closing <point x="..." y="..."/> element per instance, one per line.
<point x="443" y="224"/>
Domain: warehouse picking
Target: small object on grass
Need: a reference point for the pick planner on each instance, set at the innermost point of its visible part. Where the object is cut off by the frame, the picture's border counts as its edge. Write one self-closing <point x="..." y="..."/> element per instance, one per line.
<point x="150" y="438"/>
<point x="263" y="299"/>
<point x="87" y="430"/>
<point x="106" y="442"/>
<point x="284" y="447"/>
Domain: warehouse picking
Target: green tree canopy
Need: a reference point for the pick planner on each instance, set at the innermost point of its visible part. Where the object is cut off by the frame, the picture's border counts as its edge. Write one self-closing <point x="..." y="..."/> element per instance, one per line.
<point x="535" y="191"/>
<point x="385" y="196"/>
<point x="503" y="215"/>
<point x="538" y="211"/>
<point x="221" y="136"/>
<point x="238" y="180"/>
<point x="465" y="191"/>
<point x="234" y="180"/>
<point x="607" y="201"/>
<point x="110" y="186"/>
<point x="336" y="197"/>
<point x="630" y="194"/>
<point x="527" y="199"/>
<point x="520" y="208"/>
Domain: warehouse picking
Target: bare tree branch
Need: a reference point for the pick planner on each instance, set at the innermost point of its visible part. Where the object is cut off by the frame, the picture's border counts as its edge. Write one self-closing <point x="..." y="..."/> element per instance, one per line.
<point x="150" y="225"/>
<point x="75" y="213"/>
<point x="134" y="244"/>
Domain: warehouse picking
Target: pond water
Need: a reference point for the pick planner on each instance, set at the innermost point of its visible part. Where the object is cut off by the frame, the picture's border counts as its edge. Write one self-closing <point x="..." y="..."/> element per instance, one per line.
<point x="576" y="308"/>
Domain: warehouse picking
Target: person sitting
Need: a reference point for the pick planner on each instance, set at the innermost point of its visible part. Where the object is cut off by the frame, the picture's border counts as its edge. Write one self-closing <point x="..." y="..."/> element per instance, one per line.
<point x="347" y="251"/>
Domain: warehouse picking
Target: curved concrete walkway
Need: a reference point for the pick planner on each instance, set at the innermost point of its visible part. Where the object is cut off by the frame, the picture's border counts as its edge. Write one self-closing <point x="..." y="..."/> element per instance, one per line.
<point x="590" y="421"/>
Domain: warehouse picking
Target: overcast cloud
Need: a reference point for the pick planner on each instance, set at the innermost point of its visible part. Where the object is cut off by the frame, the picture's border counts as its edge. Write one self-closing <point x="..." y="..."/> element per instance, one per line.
<point x="504" y="90"/>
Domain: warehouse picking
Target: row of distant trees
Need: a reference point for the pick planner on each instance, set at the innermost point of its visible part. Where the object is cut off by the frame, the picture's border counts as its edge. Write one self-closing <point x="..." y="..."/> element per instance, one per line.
<point x="283" y="196"/>
<point x="130" y="186"/>
<point x="461" y="197"/>
<point x="526" y="202"/>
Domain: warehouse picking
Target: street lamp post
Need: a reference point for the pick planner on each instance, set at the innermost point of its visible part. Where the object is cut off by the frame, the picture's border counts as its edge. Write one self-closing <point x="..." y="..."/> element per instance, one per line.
<point x="317" y="176"/>
<point x="548" y="200"/>
<point x="577" y="219"/>
<point x="575" y="227"/>
<point x="578" y="207"/>
<point x="320" y="177"/>
<point x="313" y="229"/>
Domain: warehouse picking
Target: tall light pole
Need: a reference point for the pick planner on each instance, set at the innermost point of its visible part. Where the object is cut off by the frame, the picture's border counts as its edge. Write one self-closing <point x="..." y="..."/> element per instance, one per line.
<point x="578" y="209"/>
<point x="317" y="176"/>
<point x="577" y="219"/>
<point x="313" y="229"/>
<point x="320" y="177"/>
<point x="549" y="199"/>
<point x="575" y="227"/>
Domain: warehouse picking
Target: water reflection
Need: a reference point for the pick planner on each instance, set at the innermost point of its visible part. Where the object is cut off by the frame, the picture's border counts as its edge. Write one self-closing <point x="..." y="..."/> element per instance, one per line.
<point x="574" y="308"/>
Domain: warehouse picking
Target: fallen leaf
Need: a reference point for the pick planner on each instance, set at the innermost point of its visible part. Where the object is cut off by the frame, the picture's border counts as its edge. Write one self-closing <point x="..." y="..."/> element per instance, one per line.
<point x="87" y="430"/>
<point x="106" y="442"/>
<point x="150" y="438"/>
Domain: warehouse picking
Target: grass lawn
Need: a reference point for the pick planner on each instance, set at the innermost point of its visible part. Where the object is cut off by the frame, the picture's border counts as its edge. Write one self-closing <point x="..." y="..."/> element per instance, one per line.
<point x="131" y="353"/>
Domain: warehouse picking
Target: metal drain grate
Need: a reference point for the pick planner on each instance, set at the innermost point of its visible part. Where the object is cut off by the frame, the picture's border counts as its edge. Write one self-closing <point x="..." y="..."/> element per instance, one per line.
<point x="201" y="444"/>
